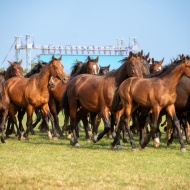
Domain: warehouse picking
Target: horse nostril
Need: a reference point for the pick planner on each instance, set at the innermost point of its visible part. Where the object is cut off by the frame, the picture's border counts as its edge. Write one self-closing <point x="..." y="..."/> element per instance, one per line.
<point x="64" y="80"/>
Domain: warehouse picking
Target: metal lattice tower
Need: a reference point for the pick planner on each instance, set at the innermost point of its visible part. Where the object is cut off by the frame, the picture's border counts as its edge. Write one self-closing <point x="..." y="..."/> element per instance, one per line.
<point x="119" y="49"/>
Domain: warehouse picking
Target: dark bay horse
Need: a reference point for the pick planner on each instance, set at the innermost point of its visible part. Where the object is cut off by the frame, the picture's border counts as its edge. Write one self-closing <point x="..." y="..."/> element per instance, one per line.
<point x="95" y="93"/>
<point x="33" y="92"/>
<point x="104" y="70"/>
<point x="155" y="93"/>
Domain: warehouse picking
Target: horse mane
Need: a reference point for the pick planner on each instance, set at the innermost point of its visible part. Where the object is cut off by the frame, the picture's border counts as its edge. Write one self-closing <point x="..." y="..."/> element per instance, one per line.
<point x="3" y="73"/>
<point x="74" y="67"/>
<point x="167" y="68"/>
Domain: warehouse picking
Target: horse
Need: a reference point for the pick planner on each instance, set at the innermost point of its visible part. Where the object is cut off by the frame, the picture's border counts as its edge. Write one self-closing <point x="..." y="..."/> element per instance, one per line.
<point x="156" y="93"/>
<point x="156" y="66"/>
<point x="77" y="65"/>
<point x="36" y="69"/>
<point x="33" y="92"/>
<point x="14" y="69"/>
<point x="4" y="105"/>
<point x="95" y="93"/>
<point x="104" y="70"/>
<point x="182" y="106"/>
<point x="90" y="67"/>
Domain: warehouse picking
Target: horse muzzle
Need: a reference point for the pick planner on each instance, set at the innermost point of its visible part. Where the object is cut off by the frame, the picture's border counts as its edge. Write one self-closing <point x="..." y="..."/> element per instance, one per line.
<point x="64" y="80"/>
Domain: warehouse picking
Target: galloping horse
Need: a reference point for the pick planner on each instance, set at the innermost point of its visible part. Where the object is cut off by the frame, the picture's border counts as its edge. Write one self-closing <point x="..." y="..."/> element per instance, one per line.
<point x="95" y="93"/>
<point x="32" y="93"/>
<point x="155" y="93"/>
<point x="36" y="69"/>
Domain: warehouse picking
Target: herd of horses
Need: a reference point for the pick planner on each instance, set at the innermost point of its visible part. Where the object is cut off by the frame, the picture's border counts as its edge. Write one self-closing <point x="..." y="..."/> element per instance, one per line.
<point x="141" y="90"/>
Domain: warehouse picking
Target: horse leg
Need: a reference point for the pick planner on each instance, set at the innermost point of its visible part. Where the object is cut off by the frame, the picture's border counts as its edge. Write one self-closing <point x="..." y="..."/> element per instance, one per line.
<point x="185" y="127"/>
<point x="48" y="115"/>
<point x="12" y="119"/>
<point x="171" y="111"/>
<point x="21" y="113"/>
<point x="125" y="119"/>
<point x="152" y="133"/>
<point x="94" y="126"/>
<point x="2" y="125"/>
<point x="73" y="112"/>
<point x="106" y="121"/>
<point x="54" y="111"/>
<point x="29" y="111"/>
<point x="38" y="118"/>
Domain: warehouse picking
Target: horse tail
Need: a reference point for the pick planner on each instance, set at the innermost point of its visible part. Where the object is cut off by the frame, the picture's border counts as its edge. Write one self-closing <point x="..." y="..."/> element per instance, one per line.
<point x="117" y="104"/>
<point x="65" y="104"/>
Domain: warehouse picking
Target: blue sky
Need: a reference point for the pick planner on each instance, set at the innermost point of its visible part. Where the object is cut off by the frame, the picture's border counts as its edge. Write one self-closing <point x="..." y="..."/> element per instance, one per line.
<point x="161" y="27"/>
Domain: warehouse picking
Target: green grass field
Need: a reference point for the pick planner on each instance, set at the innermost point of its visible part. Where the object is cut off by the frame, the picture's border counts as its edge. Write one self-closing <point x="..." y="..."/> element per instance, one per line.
<point x="41" y="163"/>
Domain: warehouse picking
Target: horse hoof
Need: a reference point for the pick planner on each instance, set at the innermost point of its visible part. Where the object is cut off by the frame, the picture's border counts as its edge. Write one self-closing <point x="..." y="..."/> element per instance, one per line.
<point x="111" y="147"/>
<point x="140" y="148"/>
<point x="49" y="135"/>
<point x="168" y="143"/>
<point x="88" y="140"/>
<point x="183" y="150"/>
<point x="77" y="145"/>
<point x="94" y="139"/>
<point x="125" y="141"/>
<point x="55" y="138"/>
<point x="72" y="142"/>
<point x="119" y="147"/>
<point x="156" y="142"/>
<point x="69" y="136"/>
<point x="133" y="149"/>
<point x="113" y="134"/>
<point x="2" y="140"/>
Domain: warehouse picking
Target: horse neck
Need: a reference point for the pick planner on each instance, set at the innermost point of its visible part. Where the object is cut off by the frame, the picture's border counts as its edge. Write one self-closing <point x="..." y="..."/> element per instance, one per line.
<point x="119" y="74"/>
<point x="43" y="77"/>
<point x="172" y="78"/>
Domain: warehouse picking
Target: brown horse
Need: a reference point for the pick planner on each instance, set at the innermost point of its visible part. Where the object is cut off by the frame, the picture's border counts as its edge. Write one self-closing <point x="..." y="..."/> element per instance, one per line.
<point x="32" y="93"/>
<point x="104" y="70"/>
<point x="95" y="93"/>
<point x="36" y="69"/>
<point x="155" y="93"/>
<point x="89" y="67"/>
<point x="4" y="105"/>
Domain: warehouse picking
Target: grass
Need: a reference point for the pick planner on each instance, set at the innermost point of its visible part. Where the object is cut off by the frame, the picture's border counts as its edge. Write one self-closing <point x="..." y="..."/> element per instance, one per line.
<point x="41" y="163"/>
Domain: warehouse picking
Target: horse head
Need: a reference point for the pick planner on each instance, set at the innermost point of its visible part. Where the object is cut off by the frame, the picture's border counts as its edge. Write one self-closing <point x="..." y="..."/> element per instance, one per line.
<point x="91" y="66"/>
<point x="134" y="65"/>
<point x="57" y="69"/>
<point x="156" y="65"/>
<point x="14" y="70"/>
<point x="104" y="70"/>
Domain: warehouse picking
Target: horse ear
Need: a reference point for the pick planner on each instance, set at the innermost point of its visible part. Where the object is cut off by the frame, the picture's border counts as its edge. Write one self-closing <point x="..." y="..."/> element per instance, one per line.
<point x="147" y="56"/>
<point x="161" y="61"/>
<point x="148" y="60"/>
<point x="10" y="62"/>
<point x="141" y="53"/>
<point x="153" y="60"/>
<point x="89" y="59"/>
<point x="60" y="58"/>
<point x="96" y="60"/>
<point x="53" y="58"/>
<point x="19" y="63"/>
<point x="109" y="66"/>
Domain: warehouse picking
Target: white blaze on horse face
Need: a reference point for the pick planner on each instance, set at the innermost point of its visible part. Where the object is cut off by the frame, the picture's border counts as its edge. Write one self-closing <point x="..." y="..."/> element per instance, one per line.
<point x="94" y="66"/>
<point x="160" y="68"/>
